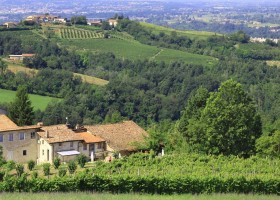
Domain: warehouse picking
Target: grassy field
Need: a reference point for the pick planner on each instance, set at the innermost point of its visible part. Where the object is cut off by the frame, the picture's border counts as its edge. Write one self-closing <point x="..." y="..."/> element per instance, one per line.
<point x="191" y="34"/>
<point x="273" y="63"/>
<point x="88" y="79"/>
<point x="125" y="48"/>
<point x="106" y="196"/>
<point x="38" y="102"/>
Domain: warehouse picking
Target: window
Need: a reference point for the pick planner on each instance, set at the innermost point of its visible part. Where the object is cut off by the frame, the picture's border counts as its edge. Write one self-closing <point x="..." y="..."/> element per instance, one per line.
<point x="60" y="144"/>
<point x="24" y="152"/>
<point x="43" y="152"/>
<point x="85" y="146"/>
<point x="99" y="145"/>
<point x="32" y="135"/>
<point x="1" y="137"/>
<point x="21" y="136"/>
<point x="43" y="141"/>
<point x="71" y="144"/>
<point x="11" y="137"/>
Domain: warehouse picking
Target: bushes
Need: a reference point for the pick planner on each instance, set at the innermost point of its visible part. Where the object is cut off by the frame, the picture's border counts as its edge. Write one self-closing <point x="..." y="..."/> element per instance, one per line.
<point x="31" y="165"/>
<point x="151" y="185"/>
<point x="46" y="169"/>
<point x="82" y="159"/>
<point x="72" y="166"/>
<point x="19" y="169"/>
<point x="62" y="172"/>
<point x="56" y="163"/>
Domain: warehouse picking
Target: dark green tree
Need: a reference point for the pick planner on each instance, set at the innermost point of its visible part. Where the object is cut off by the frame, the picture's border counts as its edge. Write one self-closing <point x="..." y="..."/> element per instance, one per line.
<point x="232" y="123"/>
<point x="3" y="66"/>
<point x="21" y="111"/>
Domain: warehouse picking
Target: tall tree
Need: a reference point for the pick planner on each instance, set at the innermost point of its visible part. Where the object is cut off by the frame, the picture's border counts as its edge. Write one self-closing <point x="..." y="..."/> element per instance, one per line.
<point x="21" y="111"/>
<point x="3" y="66"/>
<point x="232" y="123"/>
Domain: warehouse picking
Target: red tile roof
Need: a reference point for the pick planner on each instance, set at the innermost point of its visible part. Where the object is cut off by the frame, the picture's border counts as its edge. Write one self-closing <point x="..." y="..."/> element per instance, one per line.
<point x="90" y="138"/>
<point x="120" y="136"/>
<point x="6" y="124"/>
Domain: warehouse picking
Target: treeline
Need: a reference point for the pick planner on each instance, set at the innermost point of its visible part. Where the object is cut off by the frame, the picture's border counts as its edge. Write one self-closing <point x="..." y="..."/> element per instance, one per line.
<point x="216" y="46"/>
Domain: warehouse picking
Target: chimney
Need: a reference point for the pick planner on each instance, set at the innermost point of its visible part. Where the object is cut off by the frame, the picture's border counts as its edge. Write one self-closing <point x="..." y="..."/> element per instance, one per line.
<point x="40" y="124"/>
<point x="47" y="134"/>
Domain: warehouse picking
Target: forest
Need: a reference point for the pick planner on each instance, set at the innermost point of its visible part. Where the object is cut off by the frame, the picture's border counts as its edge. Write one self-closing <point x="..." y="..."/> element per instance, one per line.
<point x="176" y="102"/>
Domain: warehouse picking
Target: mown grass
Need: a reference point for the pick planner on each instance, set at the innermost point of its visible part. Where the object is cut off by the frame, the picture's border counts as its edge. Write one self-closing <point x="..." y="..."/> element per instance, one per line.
<point x="38" y="102"/>
<point x="273" y="63"/>
<point x="31" y="72"/>
<point x="202" y="35"/>
<point x="134" y="50"/>
<point x="106" y="196"/>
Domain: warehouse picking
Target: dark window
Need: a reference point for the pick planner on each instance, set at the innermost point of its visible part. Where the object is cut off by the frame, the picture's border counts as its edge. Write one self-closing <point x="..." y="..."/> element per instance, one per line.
<point x="85" y="146"/>
<point x="99" y="145"/>
<point x="11" y="137"/>
<point x="24" y="152"/>
<point x="1" y="137"/>
<point x="71" y="144"/>
<point x="21" y="136"/>
<point x="32" y="135"/>
<point x="42" y="152"/>
<point x="60" y="144"/>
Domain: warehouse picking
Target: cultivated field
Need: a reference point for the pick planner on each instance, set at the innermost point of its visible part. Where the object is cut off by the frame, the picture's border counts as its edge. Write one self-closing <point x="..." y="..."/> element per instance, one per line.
<point x="98" y="196"/>
<point x="74" y="33"/>
<point x="38" y="102"/>
<point x="190" y="34"/>
<point x="125" y="47"/>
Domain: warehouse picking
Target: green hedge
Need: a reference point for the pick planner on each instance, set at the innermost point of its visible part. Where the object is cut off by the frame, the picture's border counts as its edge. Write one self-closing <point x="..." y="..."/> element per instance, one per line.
<point x="152" y="185"/>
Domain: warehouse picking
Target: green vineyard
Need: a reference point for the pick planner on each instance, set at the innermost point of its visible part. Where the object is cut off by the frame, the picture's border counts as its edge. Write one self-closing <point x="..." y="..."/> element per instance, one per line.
<point x="73" y="33"/>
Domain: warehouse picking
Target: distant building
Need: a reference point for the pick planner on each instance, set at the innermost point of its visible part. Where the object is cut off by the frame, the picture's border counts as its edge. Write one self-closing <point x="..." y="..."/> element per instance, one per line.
<point x="113" y="22"/>
<point x="20" y="57"/>
<point x="95" y="23"/>
<point x="10" y="24"/>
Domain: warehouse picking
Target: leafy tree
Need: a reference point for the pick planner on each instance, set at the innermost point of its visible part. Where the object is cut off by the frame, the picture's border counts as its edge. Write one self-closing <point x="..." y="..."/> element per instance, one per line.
<point x="56" y="162"/>
<point x="269" y="145"/>
<point x="72" y="166"/>
<point x="62" y="172"/>
<point x="21" y="111"/>
<point x="79" y="20"/>
<point x="31" y="165"/>
<point x="232" y="124"/>
<point x="19" y="169"/>
<point x="82" y="159"/>
<point x="46" y="169"/>
<point x="3" y="66"/>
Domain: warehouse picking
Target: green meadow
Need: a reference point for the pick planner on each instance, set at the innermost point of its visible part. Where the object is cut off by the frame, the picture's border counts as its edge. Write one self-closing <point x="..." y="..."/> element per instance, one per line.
<point x="38" y="102"/>
<point x="202" y="35"/>
<point x="134" y="50"/>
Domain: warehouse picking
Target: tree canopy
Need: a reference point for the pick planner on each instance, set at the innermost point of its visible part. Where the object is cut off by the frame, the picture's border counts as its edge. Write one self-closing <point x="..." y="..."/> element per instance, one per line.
<point x="21" y="111"/>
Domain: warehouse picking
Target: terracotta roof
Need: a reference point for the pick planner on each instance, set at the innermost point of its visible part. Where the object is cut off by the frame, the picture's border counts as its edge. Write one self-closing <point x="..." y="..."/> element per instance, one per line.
<point x="59" y="133"/>
<point x="8" y="125"/>
<point x="27" y="55"/>
<point x="90" y="138"/>
<point x="120" y="136"/>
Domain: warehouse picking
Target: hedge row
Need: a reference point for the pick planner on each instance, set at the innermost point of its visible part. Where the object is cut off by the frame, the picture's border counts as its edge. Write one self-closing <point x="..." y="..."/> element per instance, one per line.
<point x="152" y="185"/>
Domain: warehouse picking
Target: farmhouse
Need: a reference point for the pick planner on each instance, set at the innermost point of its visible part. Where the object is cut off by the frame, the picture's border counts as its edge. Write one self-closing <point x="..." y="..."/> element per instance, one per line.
<point x="10" y="24"/>
<point x="20" y="57"/>
<point x="19" y="142"/>
<point x="45" y="143"/>
<point x="113" y="22"/>
<point x="121" y="137"/>
<point x="65" y="143"/>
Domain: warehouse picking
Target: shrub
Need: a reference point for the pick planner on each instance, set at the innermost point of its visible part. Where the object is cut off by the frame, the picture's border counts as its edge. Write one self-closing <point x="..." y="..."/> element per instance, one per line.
<point x="56" y="163"/>
<point x="46" y="168"/>
<point x="19" y="169"/>
<point x="72" y="166"/>
<point x="34" y="175"/>
<point x="10" y="165"/>
<point x="31" y="165"/>
<point x="82" y="159"/>
<point x="62" y="172"/>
